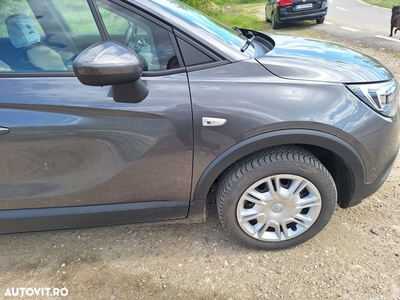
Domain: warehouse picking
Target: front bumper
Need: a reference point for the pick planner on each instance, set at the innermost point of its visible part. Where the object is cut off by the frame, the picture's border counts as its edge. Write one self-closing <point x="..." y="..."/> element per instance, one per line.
<point x="377" y="139"/>
<point x="365" y="189"/>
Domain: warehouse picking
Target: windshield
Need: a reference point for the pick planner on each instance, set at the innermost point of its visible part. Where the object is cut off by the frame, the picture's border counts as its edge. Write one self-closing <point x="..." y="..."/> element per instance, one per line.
<point x="207" y="24"/>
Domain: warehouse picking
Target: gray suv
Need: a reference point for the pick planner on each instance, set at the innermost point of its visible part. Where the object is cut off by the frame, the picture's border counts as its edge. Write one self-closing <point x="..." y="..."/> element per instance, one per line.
<point x="139" y="111"/>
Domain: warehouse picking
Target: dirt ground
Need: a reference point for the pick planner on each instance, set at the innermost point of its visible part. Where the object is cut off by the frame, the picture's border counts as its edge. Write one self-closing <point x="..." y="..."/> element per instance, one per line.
<point x="357" y="256"/>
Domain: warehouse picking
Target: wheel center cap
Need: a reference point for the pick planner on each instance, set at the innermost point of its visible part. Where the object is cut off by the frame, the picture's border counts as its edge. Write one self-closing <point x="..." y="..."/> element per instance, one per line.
<point x="278" y="208"/>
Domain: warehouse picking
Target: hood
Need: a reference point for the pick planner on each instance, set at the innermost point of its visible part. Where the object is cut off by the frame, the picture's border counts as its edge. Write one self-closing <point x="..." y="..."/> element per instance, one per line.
<point x="308" y="59"/>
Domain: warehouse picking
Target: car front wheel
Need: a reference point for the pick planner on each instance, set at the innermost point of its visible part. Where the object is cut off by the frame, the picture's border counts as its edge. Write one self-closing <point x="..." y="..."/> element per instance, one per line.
<point x="321" y="20"/>
<point x="277" y="198"/>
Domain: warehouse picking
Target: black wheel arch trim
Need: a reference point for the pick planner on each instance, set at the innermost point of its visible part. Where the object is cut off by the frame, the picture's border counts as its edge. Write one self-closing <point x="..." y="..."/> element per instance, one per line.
<point x="278" y="138"/>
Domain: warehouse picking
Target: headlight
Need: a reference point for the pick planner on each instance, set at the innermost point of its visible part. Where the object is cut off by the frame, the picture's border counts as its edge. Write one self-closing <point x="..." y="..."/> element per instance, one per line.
<point x="383" y="96"/>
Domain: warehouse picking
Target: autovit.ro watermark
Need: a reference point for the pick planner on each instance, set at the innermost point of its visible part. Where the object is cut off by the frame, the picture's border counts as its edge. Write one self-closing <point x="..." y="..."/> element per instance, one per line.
<point x="36" y="291"/>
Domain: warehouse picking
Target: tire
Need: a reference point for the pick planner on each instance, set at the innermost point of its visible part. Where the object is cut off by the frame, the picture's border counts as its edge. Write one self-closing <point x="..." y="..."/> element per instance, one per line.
<point x="277" y="198"/>
<point x="275" y="25"/>
<point x="320" y="20"/>
<point x="266" y="17"/>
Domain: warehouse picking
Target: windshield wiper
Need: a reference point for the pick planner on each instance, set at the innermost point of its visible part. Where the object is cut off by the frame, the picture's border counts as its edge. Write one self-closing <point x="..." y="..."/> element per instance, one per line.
<point x="238" y="31"/>
<point x="250" y="37"/>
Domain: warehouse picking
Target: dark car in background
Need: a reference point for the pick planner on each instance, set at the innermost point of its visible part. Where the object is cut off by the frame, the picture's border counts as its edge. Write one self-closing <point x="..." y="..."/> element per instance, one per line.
<point x="121" y="112"/>
<point x="280" y="11"/>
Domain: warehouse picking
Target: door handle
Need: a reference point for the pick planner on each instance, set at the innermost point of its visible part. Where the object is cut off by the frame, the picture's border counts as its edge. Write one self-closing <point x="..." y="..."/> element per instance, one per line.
<point x="4" y="130"/>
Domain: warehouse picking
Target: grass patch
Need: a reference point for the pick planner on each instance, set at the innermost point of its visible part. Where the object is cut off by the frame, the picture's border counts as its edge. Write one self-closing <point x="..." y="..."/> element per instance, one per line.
<point x="248" y="22"/>
<point x="240" y="13"/>
<point x="383" y="3"/>
<point x="243" y="16"/>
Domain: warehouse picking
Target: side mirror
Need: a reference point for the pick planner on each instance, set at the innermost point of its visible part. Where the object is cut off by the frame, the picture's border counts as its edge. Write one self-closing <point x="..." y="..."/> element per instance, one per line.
<point x="111" y="63"/>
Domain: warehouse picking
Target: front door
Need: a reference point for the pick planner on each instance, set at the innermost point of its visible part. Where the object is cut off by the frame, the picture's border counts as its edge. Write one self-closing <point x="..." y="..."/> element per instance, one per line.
<point x="64" y="144"/>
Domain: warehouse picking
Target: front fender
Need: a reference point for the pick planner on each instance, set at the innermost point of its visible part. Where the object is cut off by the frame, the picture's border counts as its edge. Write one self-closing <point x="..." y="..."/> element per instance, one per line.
<point x="278" y="138"/>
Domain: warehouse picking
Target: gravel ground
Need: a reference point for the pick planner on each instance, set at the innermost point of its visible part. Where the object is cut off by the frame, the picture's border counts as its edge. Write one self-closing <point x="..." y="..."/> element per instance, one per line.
<point x="357" y="256"/>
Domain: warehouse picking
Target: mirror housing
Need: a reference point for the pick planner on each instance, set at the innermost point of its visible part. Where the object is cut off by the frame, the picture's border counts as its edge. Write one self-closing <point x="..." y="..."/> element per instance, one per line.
<point x="111" y="63"/>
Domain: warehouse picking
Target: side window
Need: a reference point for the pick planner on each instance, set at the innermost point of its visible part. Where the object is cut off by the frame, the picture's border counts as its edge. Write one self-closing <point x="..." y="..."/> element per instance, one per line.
<point x="43" y="36"/>
<point x="38" y="36"/>
<point x="191" y="55"/>
<point x="151" y="41"/>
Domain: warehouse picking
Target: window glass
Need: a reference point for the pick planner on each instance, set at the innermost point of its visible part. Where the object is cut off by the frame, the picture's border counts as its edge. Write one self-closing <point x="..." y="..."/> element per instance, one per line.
<point x="151" y="41"/>
<point x="191" y="55"/>
<point x="209" y="26"/>
<point x="44" y="36"/>
<point x="78" y="16"/>
<point x="15" y="7"/>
